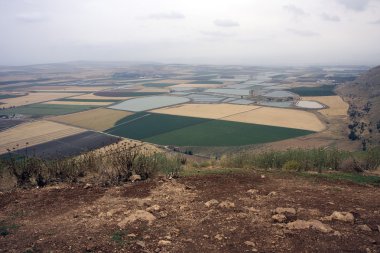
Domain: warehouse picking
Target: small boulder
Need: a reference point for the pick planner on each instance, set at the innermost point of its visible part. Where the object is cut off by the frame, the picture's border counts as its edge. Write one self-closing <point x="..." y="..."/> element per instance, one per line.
<point x="211" y="203"/>
<point x="273" y="193"/>
<point x="226" y="204"/>
<point x="134" y="178"/>
<point x="137" y="215"/>
<point x="87" y="186"/>
<point x="310" y="224"/>
<point x="341" y="216"/>
<point x="365" y="228"/>
<point x="249" y="243"/>
<point x="284" y="210"/>
<point x="218" y="237"/>
<point x="252" y="191"/>
<point x="153" y="208"/>
<point x="141" y="244"/>
<point x="279" y="218"/>
<point x="164" y="243"/>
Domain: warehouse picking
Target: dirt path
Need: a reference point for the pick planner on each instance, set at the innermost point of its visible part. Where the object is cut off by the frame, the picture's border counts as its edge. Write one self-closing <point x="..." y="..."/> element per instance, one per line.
<point x="178" y="216"/>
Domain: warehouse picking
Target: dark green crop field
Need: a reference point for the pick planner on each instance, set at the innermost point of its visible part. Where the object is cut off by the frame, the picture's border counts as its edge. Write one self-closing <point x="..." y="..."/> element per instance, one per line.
<point x="324" y="90"/>
<point x="158" y="85"/>
<point x="46" y="109"/>
<point x="143" y="125"/>
<point x="188" y="131"/>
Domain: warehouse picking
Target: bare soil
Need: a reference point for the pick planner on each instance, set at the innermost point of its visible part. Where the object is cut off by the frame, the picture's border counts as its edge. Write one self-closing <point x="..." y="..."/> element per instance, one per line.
<point x="165" y="215"/>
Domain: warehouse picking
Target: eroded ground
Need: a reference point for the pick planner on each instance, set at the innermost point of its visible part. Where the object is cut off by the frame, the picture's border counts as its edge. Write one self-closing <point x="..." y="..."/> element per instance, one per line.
<point x="201" y="213"/>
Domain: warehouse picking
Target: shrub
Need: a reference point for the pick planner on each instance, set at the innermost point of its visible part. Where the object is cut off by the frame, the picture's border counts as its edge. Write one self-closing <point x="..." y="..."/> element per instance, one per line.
<point x="292" y="166"/>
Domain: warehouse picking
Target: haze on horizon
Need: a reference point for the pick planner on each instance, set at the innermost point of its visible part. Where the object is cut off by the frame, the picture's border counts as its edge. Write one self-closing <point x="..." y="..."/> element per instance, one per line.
<point x="253" y="32"/>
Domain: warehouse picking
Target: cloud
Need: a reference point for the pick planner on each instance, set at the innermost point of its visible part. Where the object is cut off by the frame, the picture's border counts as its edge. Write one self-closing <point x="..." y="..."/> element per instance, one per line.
<point x="167" y="15"/>
<point x="303" y="33"/>
<point x="216" y="34"/>
<point x="32" y="17"/>
<point x="356" y="5"/>
<point x="328" y="17"/>
<point x="376" y="22"/>
<point x="226" y="23"/>
<point x="294" y="10"/>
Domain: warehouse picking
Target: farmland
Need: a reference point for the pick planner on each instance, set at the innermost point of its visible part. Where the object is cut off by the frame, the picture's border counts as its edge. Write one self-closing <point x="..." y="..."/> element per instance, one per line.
<point x="191" y="131"/>
<point x="210" y="111"/>
<point x="66" y="102"/>
<point x="34" y="133"/>
<point x="324" y="90"/>
<point x="336" y="106"/>
<point x="225" y="133"/>
<point x="93" y="97"/>
<point x="157" y="85"/>
<point x="126" y="93"/>
<point x="68" y="146"/>
<point x="33" y="98"/>
<point x="37" y="110"/>
<point x="98" y="119"/>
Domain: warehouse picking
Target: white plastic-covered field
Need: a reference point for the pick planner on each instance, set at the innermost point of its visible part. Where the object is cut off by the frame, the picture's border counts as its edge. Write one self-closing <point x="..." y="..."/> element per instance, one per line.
<point x="309" y="104"/>
<point x="149" y="103"/>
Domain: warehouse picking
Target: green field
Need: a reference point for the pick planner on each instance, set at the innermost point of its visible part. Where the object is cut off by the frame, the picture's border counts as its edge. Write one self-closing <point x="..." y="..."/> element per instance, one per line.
<point x="324" y="90"/>
<point x="46" y="109"/>
<point x="5" y="96"/>
<point x="144" y="125"/>
<point x="188" y="131"/>
<point x="158" y="85"/>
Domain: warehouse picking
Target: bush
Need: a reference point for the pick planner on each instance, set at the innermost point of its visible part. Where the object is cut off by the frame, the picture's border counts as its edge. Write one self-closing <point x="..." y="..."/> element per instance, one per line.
<point x="292" y="166"/>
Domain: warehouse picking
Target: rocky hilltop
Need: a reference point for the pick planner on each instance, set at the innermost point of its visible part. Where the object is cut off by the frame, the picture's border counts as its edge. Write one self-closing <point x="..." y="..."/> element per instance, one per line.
<point x="363" y="95"/>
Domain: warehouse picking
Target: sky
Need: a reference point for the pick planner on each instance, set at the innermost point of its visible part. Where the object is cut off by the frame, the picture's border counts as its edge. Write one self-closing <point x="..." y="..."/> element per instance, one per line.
<point x="245" y="32"/>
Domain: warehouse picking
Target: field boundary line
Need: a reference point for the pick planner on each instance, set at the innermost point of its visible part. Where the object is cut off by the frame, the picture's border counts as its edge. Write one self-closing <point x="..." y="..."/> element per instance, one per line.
<point x="132" y="120"/>
<point x="240" y="113"/>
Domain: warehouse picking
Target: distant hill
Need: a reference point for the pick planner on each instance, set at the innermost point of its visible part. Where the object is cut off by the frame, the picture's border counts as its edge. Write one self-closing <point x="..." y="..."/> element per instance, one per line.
<point x="363" y="94"/>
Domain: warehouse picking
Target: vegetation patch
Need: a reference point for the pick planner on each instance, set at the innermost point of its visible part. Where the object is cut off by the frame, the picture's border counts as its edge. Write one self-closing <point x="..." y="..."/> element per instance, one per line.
<point x="225" y="133"/>
<point x="47" y="109"/>
<point x="350" y="177"/>
<point x="324" y="90"/>
<point x="157" y="85"/>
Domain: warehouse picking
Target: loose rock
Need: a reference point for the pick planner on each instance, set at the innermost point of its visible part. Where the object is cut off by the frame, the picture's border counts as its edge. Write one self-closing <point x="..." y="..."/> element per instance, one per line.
<point x="313" y="224"/>
<point x="211" y="203"/>
<point x="137" y="215"/>
<point x="164" y="243"/>
<point x="365" y="228"/>
<point x="153" y="208"/>
<point x="134" y="178"/>
<point x="249" y="243"/>
<point x="341" y="216"/>
<point x="226" y="204"/>
<point x="282" y="210"/>
<point x="279" y="218"/>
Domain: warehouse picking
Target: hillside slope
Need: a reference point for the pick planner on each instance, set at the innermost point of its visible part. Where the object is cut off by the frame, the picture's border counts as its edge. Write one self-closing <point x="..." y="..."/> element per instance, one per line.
<point x="237" y="212"/>
<point x="363" y="95"/>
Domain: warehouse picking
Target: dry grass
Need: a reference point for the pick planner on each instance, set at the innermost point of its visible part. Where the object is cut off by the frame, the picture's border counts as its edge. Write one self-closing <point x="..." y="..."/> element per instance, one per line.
<point x="209" y="111"/>
<point x="77" y="103"/>
<point x="98" y="119"/>
<point x="33" y="98"/>
<point x="34" y="133"/>
<point x="280" y="117"/>
<point x="92" y="96"/>
<point x="337" y="107"/>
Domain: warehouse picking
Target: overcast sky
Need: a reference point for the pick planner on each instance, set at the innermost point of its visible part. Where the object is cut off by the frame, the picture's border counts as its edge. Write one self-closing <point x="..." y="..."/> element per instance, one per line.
<point x="253" y="32"/>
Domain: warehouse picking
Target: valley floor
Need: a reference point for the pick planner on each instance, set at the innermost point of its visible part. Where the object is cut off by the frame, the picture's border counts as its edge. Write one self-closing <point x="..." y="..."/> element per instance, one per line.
<point x="212" y="212"/>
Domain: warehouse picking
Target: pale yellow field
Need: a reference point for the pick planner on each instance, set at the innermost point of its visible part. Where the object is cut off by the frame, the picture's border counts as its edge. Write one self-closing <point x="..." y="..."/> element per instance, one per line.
<point x="98" y="119"/>
<point x="33" y="98"/>
<point x="69" y="88"/>
<point x="209" y="111"/>
<point x="34" y="133"/>
<point x="337" y="107"/>
<point x="280" y="117"/>
<point x="77" y="103"/>
<point x="92" y="96"/>
<point x="195" y="85"/>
